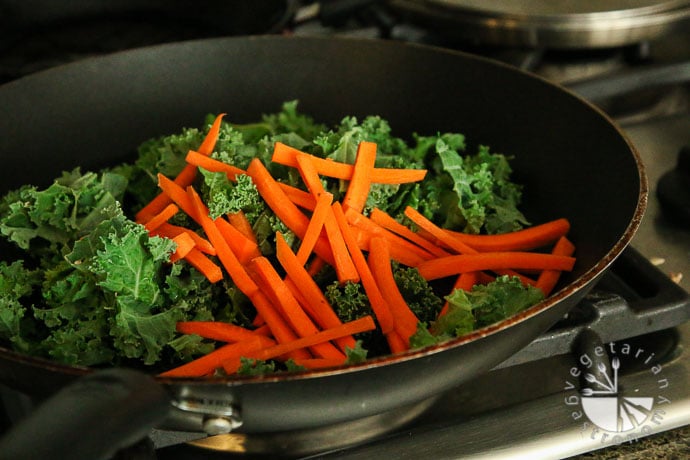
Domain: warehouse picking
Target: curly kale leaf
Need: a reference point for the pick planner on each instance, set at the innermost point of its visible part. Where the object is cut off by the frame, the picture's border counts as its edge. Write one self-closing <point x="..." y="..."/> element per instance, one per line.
<point x="498" y="300"/>
<point x="289" y="120"/>
<point x="17" y="284"/>
<point x="482" y="306"/>
<point x="62" y="212"/>
<point x="417" y="292"/>
<point x="349" y="300"/>
<point x="485" y="198"/>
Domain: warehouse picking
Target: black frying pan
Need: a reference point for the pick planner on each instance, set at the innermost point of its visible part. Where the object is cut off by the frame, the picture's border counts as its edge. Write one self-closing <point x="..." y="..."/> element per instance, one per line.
<point x="572" y="161"/>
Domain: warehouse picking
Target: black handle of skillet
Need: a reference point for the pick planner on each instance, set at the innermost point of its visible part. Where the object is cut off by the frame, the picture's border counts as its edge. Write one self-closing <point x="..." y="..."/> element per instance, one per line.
<point x="92" y="418"/>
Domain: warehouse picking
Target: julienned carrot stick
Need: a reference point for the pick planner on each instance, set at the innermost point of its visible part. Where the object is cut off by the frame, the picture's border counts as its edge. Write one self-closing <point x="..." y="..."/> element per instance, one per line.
<point x="454" y="243"/>
<point x="309" y="174"/>
<point x="314" y="299"/>
<point x="159" y="219"/>
<point x="244" y="248"/>
<point x="301" y="198"/>
<point x="228" y="258"/>
<point x="279" y="327"/>
<point x="456" y="264"/>
<point x="380" y="263"/>
<point x="240" y="222"/>
<point x="521" y="240"/>
<point x="286" y="155"/>
<point x="215" y="330"/>
<point x="171" y="231"/>
<point x="465" y="281"/>
<point x="396" y="342"/>
<point x="360" y="183"/>
<point x="209" y="142"/>
<point x="208" y="363"/>
<point x="322" y="211"/>
<point x="386" y="221"/>
<point x="185" y="177"/>
<point x="363" y="324"/>
<point x="401" y="250"/>
<point x="322" y="218"/>
<point x="548" y="278"/>
<point x="437" y="232"/>
<point x="378" y="303"/>
<point x="210" y="270"/>
<point x="317" y="264"/>
<point x="292" y="311"/>
<point x="283" y="207"/>
<point x="318" y="363"/>
<point x="213" y="165"/>
<point x="177" y="195"/>
<point x="342" y="262"/>
<point x="345" y="268"/>
<point x="184" y="243"/>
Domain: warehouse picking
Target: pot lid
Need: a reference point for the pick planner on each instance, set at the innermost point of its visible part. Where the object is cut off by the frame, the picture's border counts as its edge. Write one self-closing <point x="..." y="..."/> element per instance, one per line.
<point x="551" y="23"/>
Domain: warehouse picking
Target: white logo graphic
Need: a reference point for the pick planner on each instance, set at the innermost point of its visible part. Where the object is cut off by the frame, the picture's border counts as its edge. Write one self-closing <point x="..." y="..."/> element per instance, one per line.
<point x="615" y="412"/>
<point x="606" y="410"/>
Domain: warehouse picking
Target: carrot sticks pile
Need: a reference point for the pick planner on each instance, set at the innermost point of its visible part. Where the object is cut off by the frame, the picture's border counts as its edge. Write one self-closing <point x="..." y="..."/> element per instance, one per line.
<point x="298" y="322"/>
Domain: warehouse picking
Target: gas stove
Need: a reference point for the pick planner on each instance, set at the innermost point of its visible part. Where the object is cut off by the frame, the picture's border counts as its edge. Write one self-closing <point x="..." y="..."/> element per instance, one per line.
<point x="631" y="330"/>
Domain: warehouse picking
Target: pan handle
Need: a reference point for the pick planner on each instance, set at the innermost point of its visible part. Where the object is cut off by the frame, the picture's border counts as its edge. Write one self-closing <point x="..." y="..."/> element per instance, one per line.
<point x="92" y="418"/>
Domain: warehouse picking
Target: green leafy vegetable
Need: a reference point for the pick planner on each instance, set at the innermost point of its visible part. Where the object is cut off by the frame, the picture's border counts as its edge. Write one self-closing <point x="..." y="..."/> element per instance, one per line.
<point x="483" y="305"/>
<point x="94" y="288"/>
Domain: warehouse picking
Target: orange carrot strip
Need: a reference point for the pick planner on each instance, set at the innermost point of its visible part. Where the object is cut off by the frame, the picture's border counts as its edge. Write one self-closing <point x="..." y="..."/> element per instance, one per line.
<point x="378" y="303"/>
<point x="316" y="266"/>
<point x="215" y="330"/>
<point x="342" y="262"/>
<point x="309" y="174"/>
<point x="380" y="263"/>
<point x="301" y="198"/>
<point x="402" y="250"/>
<point x="363" y="324"/>
<point x="244" y="248"/>
<point x="345" y="268"/>
<point x="285" y="209"/>
<point x="287" y="156"/>
<point x="240" y="222"/>
<point x="263" y="330"/>
<point x="437" y="232"/>
<point x="178" y="196"/>
<point x="454" y="243"/>
<point x="198" y="260"/>
<point x="386" y="221"/>
<point x="456" y="264"/>
<point x="209" y="142"/>
<point x="322" y="211"/>
<point x="318" y="363"/>
<point x="548" y="278"/>
<point x="521" y="240"/>
<point x="165" y="215"/>
<point x="184" y="243"/>
<point x="291" y="310"/>
<point x="171" y="231"/>
<point x="208" y="363"/>
<point x="465" y="281"/>
<point x="227" y="257"/>
<point x="360" y="183"/>
<point x="314" y="301"/>
<point x="396" y="342"/>
<point x="185" y="177"/>
<point x="279" y="327"/>
<point x="211" y="164"/>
